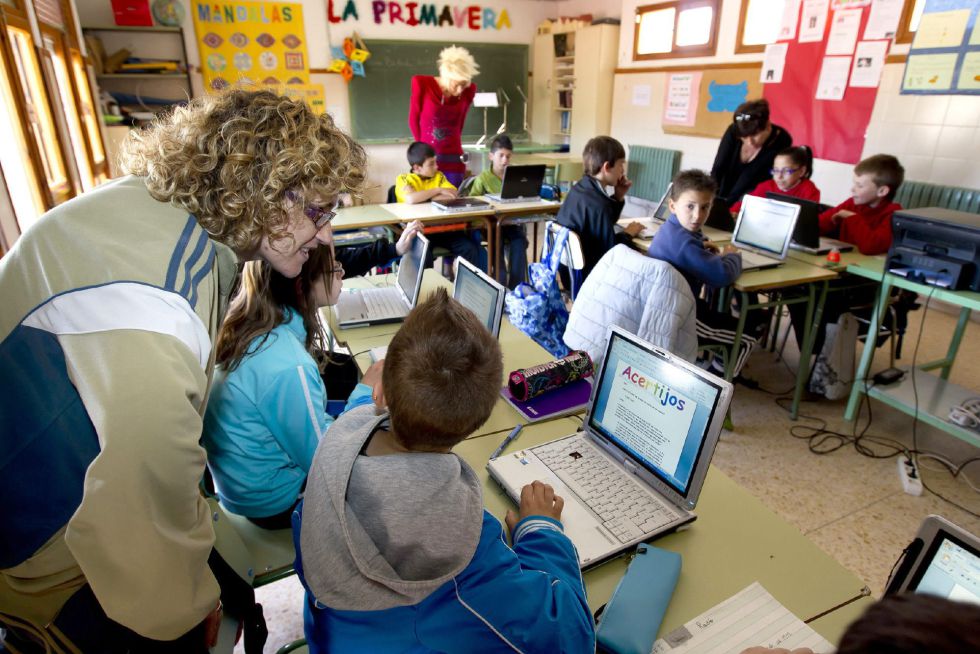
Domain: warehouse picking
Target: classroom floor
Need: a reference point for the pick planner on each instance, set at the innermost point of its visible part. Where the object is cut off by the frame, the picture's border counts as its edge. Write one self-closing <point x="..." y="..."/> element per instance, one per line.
<point x="851" y="506"/>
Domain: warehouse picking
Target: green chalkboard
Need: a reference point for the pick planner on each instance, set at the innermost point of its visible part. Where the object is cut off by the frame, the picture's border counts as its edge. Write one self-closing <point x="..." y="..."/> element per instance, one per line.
<point x="379" y="101"/>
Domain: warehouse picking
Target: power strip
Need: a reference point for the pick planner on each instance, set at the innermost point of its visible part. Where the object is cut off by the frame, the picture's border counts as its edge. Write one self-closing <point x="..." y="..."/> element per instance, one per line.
<point x="908" y="473"/>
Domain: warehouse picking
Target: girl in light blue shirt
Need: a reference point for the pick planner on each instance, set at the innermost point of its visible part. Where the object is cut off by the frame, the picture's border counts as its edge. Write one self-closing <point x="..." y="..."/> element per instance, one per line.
<point x="267" y="409"/>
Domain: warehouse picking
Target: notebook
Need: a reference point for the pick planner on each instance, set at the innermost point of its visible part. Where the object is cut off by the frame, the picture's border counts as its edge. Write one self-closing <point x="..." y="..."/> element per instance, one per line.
<point x="460" y="204"/>
<point x="806" y="235"/>
<point x="942" y="560"/>
<point x="476" y="291"/>
<point x="373" y="306"/>
<point x="763" y="231"/>
<point x="520" y="184"/>
<point x="649" y="433"/>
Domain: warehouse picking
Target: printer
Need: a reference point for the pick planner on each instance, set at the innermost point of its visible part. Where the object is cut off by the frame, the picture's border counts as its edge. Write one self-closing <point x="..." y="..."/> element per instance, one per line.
<point x="936" y="246"/>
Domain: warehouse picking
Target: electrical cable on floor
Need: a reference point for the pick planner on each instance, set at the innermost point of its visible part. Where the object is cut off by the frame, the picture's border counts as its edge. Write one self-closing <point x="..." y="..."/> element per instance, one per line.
<point x="915" y="417"/>
<point x="822" y="440"/>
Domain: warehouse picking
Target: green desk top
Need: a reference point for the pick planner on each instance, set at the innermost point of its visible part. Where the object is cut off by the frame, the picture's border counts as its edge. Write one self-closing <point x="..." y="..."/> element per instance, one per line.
<point x="368" y="215"/>
<point x="518" y="349"/>
<point x="873" y="268"/>
<point x="791" y="273"/>
<point x="735" y="541"/>
<point x="846" y="259"/>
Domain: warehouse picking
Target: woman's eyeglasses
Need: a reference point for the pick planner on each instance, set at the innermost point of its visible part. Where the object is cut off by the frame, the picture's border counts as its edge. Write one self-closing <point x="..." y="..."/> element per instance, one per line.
<point x="782" y="171"/>
<point x="318" y="214"/>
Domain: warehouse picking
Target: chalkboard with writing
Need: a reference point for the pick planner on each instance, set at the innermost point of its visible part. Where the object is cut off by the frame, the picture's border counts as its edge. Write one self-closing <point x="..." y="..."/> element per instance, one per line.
<point x="379" y="101"/>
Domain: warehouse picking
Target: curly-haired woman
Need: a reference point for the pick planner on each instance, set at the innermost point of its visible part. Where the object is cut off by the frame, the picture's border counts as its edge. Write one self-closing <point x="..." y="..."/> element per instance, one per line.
<point x="111" y="303"/>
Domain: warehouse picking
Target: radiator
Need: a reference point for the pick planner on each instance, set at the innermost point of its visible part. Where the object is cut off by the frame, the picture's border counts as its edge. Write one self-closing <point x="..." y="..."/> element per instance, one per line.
<point x="651" y="170"/>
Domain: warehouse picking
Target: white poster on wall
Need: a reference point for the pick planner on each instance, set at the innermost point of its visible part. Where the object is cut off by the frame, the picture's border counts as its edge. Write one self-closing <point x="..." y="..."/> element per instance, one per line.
<point x="787" y="28"/>
<point x="883" y="19"/>
<point x="869" y="61"/>
<point x="773" y="63"/>
<point x="843" y="32"/>
<point x="641" y="95"/>
<point x="813" y="20"/>
<point x="833" y="78"/>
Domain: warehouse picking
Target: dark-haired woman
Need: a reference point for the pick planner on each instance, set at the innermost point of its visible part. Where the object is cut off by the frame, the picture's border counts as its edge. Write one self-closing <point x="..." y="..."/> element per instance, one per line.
<point x="747" y="151"/>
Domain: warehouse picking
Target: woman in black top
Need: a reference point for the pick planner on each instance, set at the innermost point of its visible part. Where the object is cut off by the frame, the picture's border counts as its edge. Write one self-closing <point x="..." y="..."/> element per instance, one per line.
<point x="747" y="151"/>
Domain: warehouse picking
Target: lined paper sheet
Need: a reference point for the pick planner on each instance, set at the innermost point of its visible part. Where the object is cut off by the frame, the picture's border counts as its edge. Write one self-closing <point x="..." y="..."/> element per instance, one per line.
<point x="751" y="617"/>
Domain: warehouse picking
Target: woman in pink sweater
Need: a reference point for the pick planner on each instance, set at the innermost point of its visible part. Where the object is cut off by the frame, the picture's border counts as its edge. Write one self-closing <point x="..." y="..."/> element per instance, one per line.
<point x="791" y="172"/>
<point x="438" y="108"/>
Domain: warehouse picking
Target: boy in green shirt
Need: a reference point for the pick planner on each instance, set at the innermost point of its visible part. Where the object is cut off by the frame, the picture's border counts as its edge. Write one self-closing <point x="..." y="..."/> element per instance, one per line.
<point x="490" y="181"/>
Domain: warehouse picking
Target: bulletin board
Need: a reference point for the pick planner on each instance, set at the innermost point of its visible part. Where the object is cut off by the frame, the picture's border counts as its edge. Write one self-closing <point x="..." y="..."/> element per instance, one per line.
<point x="721" y="91"/>
<point x="945" y="56"/>
<point x="834" y="129"/>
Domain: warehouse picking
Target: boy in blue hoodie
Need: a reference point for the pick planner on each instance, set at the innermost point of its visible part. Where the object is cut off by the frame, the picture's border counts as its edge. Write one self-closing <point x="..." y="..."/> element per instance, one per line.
<point x="394" y="547"/>
<point x="680" y="243"/>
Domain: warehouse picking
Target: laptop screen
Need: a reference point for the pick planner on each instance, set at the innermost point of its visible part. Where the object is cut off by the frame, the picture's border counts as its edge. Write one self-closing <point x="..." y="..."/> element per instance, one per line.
<point x="662" y="211"/>
<point x="765" y="224"/>
<point x="479" y="294"/>
<point x="411" y="267"/>
<point x="656" y="410"/>
<point x="951" y="569"/>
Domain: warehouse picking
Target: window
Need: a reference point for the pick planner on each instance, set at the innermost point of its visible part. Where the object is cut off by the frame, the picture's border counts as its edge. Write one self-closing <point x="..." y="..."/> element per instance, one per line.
<point x="22" y="182"/>
<point x="66" y="94"/>
<point x="909" y="22"/>
<point x="758" y="24"/>
<point x="669" y="30"/>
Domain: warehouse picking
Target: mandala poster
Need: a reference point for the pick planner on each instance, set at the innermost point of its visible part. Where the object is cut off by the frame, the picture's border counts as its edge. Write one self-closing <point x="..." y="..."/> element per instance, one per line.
<point x="258" y="42"/>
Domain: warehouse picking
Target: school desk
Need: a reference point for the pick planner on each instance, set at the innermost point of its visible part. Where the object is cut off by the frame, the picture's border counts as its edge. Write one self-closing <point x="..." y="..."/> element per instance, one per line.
<point x="931" y="398"/>
<point x="734" y="542"/>
<point x="519" y="351"/>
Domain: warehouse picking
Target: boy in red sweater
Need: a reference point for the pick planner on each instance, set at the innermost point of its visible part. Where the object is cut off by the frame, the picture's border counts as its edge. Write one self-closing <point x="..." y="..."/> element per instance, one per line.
<point x="865" y="218"/>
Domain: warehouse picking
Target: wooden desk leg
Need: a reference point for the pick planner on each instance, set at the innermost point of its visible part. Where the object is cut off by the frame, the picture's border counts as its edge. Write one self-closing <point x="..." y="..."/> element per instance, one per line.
<point x="811" y="328"/>
<point x="954" y="344"/>
<point x="867" y="354"/>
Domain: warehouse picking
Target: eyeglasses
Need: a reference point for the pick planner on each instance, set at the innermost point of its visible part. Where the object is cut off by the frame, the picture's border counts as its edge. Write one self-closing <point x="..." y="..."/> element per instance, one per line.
<point x="318" y="214"/>
<point x="782" y="171"/>
<point x="741" y="117"/>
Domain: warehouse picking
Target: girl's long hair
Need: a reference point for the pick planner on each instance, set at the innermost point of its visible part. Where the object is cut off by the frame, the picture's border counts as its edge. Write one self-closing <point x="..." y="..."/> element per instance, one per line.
<point x="260" y="306"/>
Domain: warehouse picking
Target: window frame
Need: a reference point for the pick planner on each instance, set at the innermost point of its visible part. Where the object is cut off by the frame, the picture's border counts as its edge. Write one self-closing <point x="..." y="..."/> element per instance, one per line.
<point x="903" y="34"/>
<point x="708" y="49"/>
<point x="742" y="18"/>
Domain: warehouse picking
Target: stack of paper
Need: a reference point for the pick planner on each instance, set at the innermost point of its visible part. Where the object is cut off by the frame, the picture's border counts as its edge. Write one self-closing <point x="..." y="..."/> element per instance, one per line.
<point x="750" y="618"/>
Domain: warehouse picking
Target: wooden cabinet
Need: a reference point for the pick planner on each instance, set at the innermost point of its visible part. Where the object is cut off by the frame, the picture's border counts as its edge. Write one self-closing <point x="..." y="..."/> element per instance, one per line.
<point x="573" y="85"/>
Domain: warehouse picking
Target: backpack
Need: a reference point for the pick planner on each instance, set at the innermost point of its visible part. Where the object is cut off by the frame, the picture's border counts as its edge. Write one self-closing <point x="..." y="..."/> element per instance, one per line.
<point x="537" y="308"/>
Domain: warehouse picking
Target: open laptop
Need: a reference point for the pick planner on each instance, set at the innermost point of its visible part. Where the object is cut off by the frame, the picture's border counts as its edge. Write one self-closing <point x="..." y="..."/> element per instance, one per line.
<point x="806" y="235"/>
<point x="637" y="468"/>
<point x="373" y="306"/>
<point x="942" y="560"/>
<point x="520" y="184"/>
<point x="654" y="222"/>
<point x="763" y="231"/>
<point x="460" y="204"/>
<point x="476" y="291"/>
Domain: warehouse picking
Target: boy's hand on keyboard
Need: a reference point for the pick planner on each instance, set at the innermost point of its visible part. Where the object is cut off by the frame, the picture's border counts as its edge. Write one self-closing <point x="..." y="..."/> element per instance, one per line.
<point x="537" y="498"/>
<point x="404" y="243"/>
<point x="729" y="249"/>
<point x="634" y="229"/>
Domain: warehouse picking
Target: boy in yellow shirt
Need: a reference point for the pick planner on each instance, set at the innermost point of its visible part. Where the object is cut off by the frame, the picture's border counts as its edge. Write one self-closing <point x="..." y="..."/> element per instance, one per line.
<point x="424" y="183"/>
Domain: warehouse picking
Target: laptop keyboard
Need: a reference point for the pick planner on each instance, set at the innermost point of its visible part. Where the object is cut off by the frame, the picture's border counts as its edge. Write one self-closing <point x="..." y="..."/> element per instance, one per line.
<point x="622" y="505"/>
<point x="381" y="303"/>
<point x="753" y="259"/>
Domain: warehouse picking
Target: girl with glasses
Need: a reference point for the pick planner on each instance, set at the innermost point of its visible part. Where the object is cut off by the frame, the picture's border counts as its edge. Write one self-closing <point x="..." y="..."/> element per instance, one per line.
<point x="267" y="410"/>
<point x="790" y="172"/>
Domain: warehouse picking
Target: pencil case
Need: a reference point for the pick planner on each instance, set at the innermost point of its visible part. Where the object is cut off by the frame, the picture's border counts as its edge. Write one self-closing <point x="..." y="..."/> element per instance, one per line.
<point x="630" y="620"/>
<point x="525" y="383"/>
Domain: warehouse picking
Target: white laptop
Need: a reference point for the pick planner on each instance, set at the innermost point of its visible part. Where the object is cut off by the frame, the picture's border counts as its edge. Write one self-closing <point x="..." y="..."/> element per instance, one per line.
<point x="763" y="231"/>
<point x="476" y="291"/>
<point x="372" y="306"/>
<point x="520" y="184"/>
<point x="654" y="222"/>
<point x="637" y="468"/>
<point x="942" y="560"/>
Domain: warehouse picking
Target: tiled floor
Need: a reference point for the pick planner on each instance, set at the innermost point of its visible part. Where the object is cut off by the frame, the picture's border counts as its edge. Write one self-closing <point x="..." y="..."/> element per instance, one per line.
<point x="852" y="506"/>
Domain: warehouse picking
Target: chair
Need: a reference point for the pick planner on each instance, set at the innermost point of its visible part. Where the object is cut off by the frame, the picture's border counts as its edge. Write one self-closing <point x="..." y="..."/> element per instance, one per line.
<point x="571" y="257"/>
<point x="466" y="185"/>
<point x="295" y="647"/>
